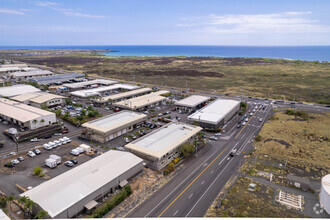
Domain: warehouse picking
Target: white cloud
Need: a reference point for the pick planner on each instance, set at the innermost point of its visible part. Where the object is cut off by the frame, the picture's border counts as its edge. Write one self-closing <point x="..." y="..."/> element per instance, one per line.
<point x="287" y="22"/>
<point x="67" y="11"/>
<point x="10" y="11"/>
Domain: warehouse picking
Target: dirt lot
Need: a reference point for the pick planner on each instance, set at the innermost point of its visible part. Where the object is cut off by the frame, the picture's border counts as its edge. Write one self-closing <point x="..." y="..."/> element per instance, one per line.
<point x="304" y="143"/>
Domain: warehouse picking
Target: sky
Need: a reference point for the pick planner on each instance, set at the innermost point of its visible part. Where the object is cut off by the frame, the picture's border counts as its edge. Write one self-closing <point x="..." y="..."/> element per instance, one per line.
<point x="165" y="22"/>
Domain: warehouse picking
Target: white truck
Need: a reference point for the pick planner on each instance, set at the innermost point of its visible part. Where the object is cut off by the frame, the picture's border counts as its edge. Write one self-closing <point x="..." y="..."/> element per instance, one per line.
<point x="56" y="158"/>
<point x="50" y="162"/>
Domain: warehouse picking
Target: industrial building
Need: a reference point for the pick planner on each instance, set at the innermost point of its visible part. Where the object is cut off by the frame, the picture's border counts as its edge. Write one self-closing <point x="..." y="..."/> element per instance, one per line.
<point x="111" y="126"/>
<point x="161" y="146"/>
<point x="10" y="68"/>
<point x="143" y="102"/>
<point x="72" y="192"/>
<point x="91" y="83"/>
<point x="215" y="114"/>
<point x="192" y="102"/>
<point x="30" y="74"/>
<point x="39" y="99"/>
<point x="15" y="90"/>
<point x="57" y="79"/>
<point x="25" y="115"/>
<point x="103" y="90"/>
<point x="325" y="193"/>
<point x="122" y="96"/>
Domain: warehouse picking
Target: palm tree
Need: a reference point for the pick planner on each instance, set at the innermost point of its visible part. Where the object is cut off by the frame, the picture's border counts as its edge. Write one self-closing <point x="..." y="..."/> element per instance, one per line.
<point x="41" y="214"/>
<point x="9" y="200"/>
<point x="42" y="121"/>
<point x="28" y="204"/>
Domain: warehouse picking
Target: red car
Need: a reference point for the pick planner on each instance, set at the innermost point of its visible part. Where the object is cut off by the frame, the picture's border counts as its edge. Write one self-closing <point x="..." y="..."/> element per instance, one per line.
<point x="116" y="110"/>
<point x="65" y="132"/>
<point x="249" y="111"/>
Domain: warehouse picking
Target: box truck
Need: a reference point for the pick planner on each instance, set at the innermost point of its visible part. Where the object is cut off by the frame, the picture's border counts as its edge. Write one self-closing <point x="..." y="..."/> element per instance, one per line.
<point x="55" y="157"/>
<point x="50" y="162"/>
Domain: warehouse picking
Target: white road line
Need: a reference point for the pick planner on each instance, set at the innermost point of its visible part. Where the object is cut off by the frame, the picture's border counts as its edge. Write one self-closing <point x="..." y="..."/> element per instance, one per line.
<point x="175" y="212"/>
<point x="190" y="196"/>
<point x="181" y="183"/>
<point x="243" y="135"/>
<point x="212" y="171"/>
<point x="202" y="182"/>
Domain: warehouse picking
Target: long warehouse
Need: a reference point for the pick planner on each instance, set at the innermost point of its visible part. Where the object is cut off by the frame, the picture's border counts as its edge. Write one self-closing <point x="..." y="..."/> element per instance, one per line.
<point x="38" y="99"/>
<point x="68" y="194"/>
<point x="31" y="74"/>
<point x="99" y="91"/>
<point x="192" y="103"/>
<point x="161" y="146"/>
<point x="25" y="115"/>
<point x="95" y="82"/>
<point x="124" y="95"/>
<point x="15" y="90"/>
<point x="142" y="102"/>
<point x="111" y="126"/>
<point x="215" y="114"/>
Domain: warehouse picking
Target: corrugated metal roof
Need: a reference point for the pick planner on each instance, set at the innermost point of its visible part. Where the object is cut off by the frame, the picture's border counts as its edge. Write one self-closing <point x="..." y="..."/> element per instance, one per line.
<point x="91" y="82"/>
<point x="15" y="90"/>
<point x="65" y="190"/>
<point x="124" y="94"/>
<point x="96" y="91"/>
<point x="192" y="101"/>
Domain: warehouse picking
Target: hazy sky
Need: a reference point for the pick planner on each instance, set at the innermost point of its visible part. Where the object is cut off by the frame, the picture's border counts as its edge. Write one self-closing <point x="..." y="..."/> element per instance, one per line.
<point x="165" y="22"/>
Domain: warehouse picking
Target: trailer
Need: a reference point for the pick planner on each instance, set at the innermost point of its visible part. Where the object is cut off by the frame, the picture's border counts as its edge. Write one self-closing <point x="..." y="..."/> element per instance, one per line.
<point x="50" y="162"/>
<point x="56" y="158"/>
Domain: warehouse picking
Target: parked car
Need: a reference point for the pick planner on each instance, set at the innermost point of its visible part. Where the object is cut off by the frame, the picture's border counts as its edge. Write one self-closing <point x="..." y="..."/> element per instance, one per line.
<point x="218" y="134"/>
<point x="126" y="140"/>
<point x="160" y="115"/>
<point x="246" y="119"/>
<point x="69" y="163"/>
<point x="35" y="140"/>
<point x="251" y="114"/>
<point x="74" y="152"/>
<point x="239" y="125"/>
<point x="37" y="151"/>
<point x="47" y="147"/>
<point x="9" y="164"/>
<point x="74" y="161"/>
<point x="31" y="154"/>
<point x="15" y="161"/>
<point x="116" y="110"/>
<point x="5" y="122"/>
<point x="106" y="108"/>
<point x="47" y="137"/>
<point x="213" y="138"/>
<point x="58" y="134"/>
<point x="21" y="129"/>
<point x="244" y="123"/>
<point x="58" y="143"/>
<point x="146" y="112"/>
<point x="65" y="131"/>
<point x="68" y="140"/>
<point x="134" y="137"/>
<point x="20" y="159"/>
<point x="260" y="119"/>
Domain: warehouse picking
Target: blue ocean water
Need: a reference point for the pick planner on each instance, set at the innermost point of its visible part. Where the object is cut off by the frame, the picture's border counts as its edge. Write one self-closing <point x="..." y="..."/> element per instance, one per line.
<point x="310" y="53"/>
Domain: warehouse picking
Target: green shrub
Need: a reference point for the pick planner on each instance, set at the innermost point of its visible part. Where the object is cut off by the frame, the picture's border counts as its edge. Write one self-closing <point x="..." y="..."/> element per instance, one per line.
<point x="37" y="171"/>
<point x="42" y="175"/>
<point x="258" y="138"/>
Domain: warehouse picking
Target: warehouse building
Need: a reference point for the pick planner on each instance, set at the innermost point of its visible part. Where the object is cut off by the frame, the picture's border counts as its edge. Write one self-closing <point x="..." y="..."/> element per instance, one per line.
<point x="143" y="102"/>
<point x="80" y="188"/>
<point x="25" y="115"/>
<point x="87" y="84"/>
<point x="111" y="126"/>
<point x="325" y="193"/>
<point x="15" y="90"/>
<point x="161" y="146"/>
<point x="10" y="68"/>
<point x="58" y="79"/>
<point x="192" y="103"/>
<point x="215" y="114"/>
<point x="39" y="99"/>
<point x="123" y="96"/>
<point x="30" y="74"/>
<point x="103" y="90"/>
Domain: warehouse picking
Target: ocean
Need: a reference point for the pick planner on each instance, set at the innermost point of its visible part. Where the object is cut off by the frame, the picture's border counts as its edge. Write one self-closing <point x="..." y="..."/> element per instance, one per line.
<point x="308" y="53"/>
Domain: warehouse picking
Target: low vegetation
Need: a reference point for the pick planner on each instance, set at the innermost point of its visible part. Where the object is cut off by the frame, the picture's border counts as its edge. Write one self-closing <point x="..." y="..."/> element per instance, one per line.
<point x="240" y="202"/>
<point x="271" y="78"/>
<point x="300" y="138"/>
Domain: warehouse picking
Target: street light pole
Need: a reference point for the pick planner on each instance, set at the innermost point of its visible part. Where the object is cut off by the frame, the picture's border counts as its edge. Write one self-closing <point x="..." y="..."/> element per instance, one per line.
<point x="16" y="141"/>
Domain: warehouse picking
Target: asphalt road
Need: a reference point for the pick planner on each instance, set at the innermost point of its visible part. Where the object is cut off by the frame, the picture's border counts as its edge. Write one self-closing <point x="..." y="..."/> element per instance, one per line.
<point x="191" y="192"/>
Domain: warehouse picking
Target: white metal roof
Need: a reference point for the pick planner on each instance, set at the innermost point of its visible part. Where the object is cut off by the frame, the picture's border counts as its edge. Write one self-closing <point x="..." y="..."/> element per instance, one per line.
<point x="114" y="121"/>
<point x="31" y="73"/>
<point x="96" y="91"/>
<point x="164" y="139"/>
<point x="14" y="65"/>
<point x="91" y="82"/>
<point x="58" y="194"/>
<point x="124" y="94"/>
<point x="20" y="111"/>
<point x="5" y="69"/>
<point x="192" y="101"/>
<point x="142" y="101"/>
<point x="37" y="97"/>
<point x="10" y="91"/>
<point x="214" y="112"/>
<point x="326" y="183"/>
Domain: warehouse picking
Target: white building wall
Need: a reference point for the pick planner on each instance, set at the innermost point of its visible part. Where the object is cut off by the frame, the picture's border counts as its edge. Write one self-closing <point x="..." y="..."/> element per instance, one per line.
<point x="49" y="119"/>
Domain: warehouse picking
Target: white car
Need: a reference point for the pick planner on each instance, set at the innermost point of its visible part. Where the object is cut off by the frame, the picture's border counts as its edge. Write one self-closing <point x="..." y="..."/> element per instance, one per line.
<point x="251" y="114"/>
<point x="52" y="144"/>
<point x="35" y="140"/>
<point x="106" y="109"/>
<point x="218" y="134"/>
<point x="126" y="140"/>
<point x="260" y="119"/>
<point x="31" y="154"/>
<point x="63" y="140"/>
<point x="47" y="147"/>
<point x="74" y="152"/>
<point x="58" y="134"/>
<point x="244" y="123"/>
<point x="254" y="110"/>
<point x="246" y="120"/>
<point x="213" y="138"/>
<point x="15" y="161"/>
<point x="57" y="143"/>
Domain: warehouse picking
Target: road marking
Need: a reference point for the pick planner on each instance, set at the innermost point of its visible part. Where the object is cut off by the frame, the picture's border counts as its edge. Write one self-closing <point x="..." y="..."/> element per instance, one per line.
<point x="243" y="135"/>
<point x="191" y="184"/>
<point x="175" y="212"/>
<point x="190" y="196"/>
<point x="246" y="123"/>
<point x="212" y="171"/>
<point x="181" y="183"/>
<point x="202" y="182"/>
<point x="208" y="188"/>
